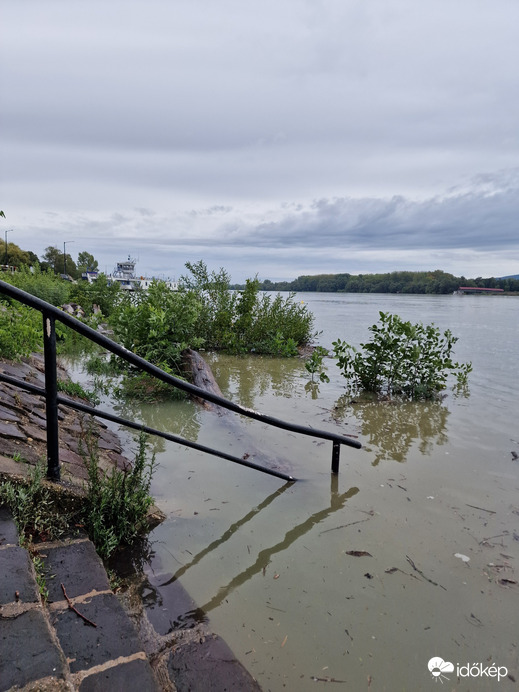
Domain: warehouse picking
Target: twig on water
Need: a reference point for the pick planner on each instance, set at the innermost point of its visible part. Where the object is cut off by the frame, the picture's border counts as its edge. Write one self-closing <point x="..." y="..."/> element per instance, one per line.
<point x="490" y="511"/>
<point x="343" y="526"/>
<point x="422" y="574"/>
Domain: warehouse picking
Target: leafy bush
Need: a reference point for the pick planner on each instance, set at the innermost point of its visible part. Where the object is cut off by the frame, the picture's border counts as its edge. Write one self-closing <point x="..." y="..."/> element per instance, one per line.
<point x="42" y="284"/>
<point x="411" y="361"/>
<point x="280" y="325"/>
<point x="158" y="324"/>
<point x="21" y="331"/>
<point x="216" y="303"/>
<point x="244" y="321"/>
<point x="100" y="292"/>
<point x="32" y="507"/>
<point x="117" y="501"/>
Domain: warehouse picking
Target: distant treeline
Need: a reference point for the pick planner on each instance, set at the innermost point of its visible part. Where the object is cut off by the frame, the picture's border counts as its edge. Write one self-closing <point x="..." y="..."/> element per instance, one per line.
<point x="394" y="282"/>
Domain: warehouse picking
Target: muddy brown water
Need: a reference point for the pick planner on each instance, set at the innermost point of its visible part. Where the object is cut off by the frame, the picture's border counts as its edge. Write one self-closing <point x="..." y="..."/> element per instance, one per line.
<point x="355" y="581"/>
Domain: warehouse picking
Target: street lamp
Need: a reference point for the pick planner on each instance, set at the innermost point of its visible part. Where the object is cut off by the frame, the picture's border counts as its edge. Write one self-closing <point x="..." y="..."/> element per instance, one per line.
<point x="65" y="256"/>
<point x="9" y="231"/>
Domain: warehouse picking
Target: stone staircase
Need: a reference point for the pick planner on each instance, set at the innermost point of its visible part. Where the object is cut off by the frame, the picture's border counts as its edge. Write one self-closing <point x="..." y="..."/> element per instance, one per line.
<point x="82" y="639"/>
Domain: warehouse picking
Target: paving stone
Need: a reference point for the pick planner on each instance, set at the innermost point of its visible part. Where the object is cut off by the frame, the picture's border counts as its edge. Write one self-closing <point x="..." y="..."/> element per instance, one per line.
<point x="86" y="646"/>
<point x="16" y="575"/>
<point x="69" y="457"/>
<point x="104" y="444"/>
<point x="12" y="447"/>
<point x="29" y="401"/>
<point x="7" y="414"/>
<point x="28" y="651"/>
<point x="35" y="432"/>
<point x="7" y="396"/>
<point x="134" y="675"/>
<point x="8" y="530"/>
<point x="19" y="370"/>
<point x="77" y="566"/>
<point x="121" y="462"/>
<point x="11" y="430"/>
<point x="36" y="377"/>
<point x="39" y="414"/>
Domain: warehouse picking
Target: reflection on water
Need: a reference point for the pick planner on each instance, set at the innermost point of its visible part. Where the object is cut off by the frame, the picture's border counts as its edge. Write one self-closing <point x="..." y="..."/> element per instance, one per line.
<point x="337" y="502"/>
<point x="176" y="417"/>
<point x="226" y="535"/>
<point x="245" y="379"/>
<point x="391" y="428"/>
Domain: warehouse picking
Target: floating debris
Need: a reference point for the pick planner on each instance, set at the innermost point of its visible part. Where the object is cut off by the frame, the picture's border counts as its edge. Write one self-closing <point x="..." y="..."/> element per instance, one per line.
<point x="462" y="557"/>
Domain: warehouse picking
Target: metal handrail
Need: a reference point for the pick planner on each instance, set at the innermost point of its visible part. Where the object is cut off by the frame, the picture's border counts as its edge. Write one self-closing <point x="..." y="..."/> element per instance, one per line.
<point x="51" y="313"/>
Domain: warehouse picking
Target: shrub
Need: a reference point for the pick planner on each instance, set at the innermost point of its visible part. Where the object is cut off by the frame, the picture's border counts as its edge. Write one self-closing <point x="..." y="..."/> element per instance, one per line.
<point x="117" y="501"/>
<point x="32" y="507"/>
<point x="243" y="321"/>
<point x="42" y="284"/>
<point x="157" y="324"/>
<point x="21" y="331"/>
<point x="411" y="361"/>
<point x="100" y="292"/>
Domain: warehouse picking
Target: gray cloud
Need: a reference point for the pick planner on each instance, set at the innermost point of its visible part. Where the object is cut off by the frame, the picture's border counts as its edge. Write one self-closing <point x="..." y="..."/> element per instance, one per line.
<point x="278" y="138"/>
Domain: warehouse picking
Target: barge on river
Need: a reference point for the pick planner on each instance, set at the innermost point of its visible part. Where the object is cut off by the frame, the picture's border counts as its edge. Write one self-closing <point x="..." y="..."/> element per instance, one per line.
<point x="467" y="290"/>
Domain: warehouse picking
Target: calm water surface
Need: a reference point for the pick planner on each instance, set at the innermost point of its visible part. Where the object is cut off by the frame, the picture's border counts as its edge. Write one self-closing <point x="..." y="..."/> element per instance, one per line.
<point x="270" y="565"/>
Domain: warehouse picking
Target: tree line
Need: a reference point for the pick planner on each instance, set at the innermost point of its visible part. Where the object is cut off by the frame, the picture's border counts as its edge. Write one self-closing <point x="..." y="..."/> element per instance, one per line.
<point x="431" y="282"/>
<point x="53" y="259"/>
<point x="437" y="281"/>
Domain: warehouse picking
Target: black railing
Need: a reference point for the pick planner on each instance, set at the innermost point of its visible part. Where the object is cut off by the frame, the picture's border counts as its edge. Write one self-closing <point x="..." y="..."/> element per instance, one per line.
<point x="51" y="313"/>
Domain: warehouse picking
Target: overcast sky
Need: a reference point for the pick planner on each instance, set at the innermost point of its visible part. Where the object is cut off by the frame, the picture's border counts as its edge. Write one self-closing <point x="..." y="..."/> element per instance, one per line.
<point x="272" y="137"/>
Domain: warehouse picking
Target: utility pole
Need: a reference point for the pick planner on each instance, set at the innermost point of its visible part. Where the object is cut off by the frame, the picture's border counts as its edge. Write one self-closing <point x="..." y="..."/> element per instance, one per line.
<point x="65" y="256"/>
<point x="9" y="231"/>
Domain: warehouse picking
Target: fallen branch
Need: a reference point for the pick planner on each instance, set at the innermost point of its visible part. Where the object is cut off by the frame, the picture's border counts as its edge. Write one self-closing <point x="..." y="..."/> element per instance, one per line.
<point x="71" y="606"/>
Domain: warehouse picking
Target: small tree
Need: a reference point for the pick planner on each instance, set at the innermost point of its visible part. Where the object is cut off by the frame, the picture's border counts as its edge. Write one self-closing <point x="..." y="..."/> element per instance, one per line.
<point x="86" y="261"/>
<point x="408" y="360"/>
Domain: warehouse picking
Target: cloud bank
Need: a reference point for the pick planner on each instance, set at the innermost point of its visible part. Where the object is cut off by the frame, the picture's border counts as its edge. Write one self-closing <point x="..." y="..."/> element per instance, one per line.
<point x="309" y="136"/>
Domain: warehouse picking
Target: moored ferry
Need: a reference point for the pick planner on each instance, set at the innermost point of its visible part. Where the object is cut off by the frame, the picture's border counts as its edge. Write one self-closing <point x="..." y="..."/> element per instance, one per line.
<point x="124" y="274"/>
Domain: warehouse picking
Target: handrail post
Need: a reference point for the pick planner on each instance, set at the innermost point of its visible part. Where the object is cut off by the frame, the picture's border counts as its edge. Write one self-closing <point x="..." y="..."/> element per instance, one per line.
<point x="51" y="396"/>
<point x="336" y="453"/>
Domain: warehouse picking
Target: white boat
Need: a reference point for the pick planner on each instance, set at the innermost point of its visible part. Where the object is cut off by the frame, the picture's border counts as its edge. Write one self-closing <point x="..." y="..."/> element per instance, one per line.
<point x="124" y="274"/>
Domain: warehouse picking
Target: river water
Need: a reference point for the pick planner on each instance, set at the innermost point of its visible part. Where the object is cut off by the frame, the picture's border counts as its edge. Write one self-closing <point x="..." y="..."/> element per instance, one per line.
<point x="353" y="581"/>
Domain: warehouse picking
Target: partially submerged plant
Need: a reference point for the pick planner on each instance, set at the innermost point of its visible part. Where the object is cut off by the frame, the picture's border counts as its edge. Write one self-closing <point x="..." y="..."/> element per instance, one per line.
<point x="412" y="361"/>
<point x="314" y="364"/>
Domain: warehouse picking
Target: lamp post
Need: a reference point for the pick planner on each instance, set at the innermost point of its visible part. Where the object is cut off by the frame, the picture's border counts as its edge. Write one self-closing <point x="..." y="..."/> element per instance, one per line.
<point x="9" y="231"/>
<point x="65" y="256"/>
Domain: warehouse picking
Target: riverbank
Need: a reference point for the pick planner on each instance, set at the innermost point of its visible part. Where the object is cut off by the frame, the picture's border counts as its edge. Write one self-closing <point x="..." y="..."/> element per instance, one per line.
<point x="181" y="659"/>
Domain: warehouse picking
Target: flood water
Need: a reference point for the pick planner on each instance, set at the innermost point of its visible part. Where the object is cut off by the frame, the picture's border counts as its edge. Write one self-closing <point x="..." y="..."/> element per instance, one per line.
<point x="353" y="582"/>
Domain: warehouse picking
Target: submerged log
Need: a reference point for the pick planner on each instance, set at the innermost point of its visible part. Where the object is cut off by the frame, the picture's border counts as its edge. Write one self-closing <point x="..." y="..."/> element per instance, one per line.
<point x="202" y="376"/>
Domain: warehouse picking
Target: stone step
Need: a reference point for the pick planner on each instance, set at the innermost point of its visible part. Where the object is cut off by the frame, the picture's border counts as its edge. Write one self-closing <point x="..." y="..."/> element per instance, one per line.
<point x="82" y="639"/>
